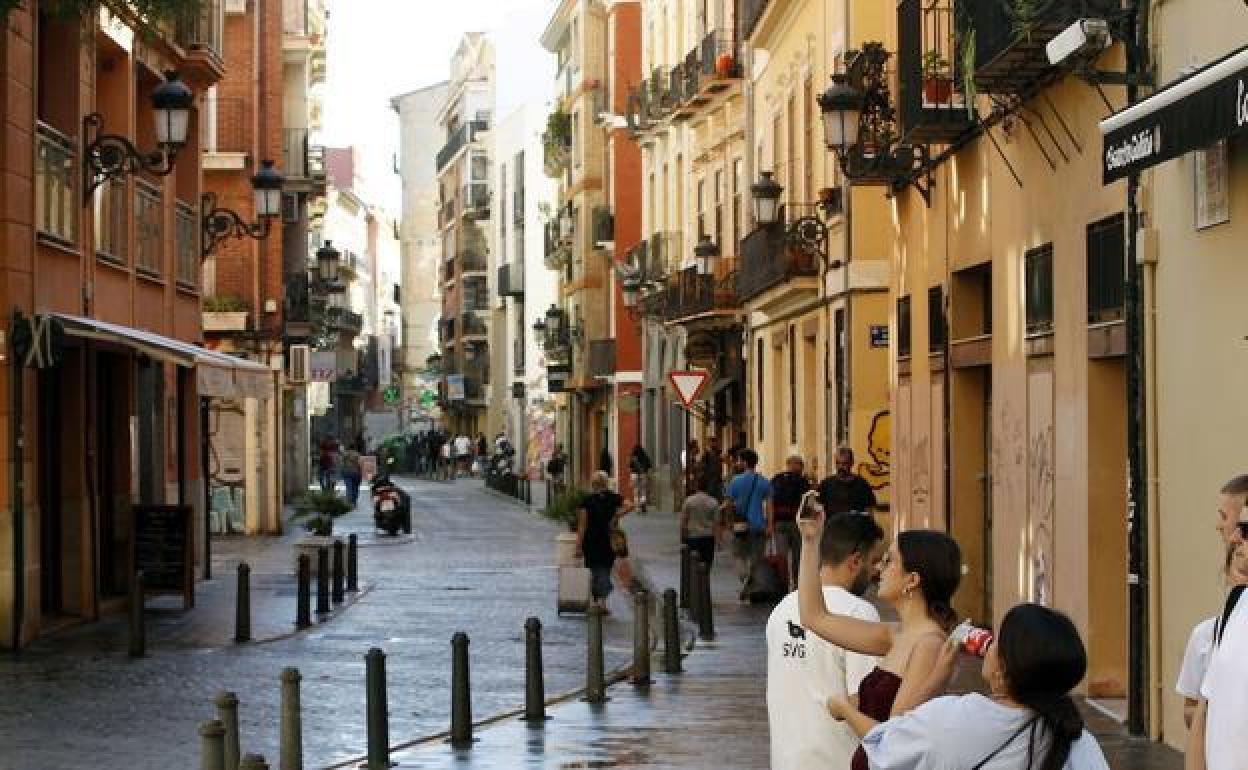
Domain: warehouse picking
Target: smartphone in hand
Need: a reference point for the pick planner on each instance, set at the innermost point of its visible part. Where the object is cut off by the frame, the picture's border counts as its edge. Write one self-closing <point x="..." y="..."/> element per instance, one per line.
<point x="809" y="507"/>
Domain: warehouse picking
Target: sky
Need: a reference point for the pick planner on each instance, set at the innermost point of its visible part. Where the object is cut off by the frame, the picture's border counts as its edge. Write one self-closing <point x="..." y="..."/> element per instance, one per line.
<point x="378" y="49"/>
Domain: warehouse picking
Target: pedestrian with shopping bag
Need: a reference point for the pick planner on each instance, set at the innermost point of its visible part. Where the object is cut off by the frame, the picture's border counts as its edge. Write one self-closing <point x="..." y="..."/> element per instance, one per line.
<point x="598" y="535"/>
<point x="745" y="506"/>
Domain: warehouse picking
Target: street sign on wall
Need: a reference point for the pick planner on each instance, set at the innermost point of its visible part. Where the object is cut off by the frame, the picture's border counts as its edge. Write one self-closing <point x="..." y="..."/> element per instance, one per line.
<point x="454" y="387"/>
<point x="688" y="385"/>
<point x="323" y="366"/>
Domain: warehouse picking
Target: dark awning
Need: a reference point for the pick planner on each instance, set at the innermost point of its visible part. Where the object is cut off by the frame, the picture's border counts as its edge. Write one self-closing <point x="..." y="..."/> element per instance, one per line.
<point x="1189" y="114"/>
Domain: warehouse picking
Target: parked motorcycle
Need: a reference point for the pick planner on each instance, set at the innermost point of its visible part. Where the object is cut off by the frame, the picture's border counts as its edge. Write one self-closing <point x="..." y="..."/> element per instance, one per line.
<point x="392" y="507"/>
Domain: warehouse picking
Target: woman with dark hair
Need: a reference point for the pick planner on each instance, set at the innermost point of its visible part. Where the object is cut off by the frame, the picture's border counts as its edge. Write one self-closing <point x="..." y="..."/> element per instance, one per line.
<point x="1028" y="723"/>
<point x="921" y="572"/>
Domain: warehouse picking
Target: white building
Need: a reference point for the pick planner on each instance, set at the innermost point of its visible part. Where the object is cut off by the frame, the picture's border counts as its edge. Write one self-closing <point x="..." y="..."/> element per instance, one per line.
<point x="522" y="288"/>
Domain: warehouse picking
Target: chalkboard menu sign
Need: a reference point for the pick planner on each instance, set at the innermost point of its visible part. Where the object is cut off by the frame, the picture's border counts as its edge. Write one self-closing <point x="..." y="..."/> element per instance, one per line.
<point x="162" y="550"/>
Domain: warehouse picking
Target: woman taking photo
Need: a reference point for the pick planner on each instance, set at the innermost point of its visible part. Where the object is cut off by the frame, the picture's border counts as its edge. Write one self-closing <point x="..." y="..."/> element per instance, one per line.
<point x="919" y="576"/>
<point x="596" y="520"/>
<point x="1028" y="723"/>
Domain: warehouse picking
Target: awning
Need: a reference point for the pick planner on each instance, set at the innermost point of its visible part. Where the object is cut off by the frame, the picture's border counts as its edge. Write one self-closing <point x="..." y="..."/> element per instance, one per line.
<point x="219" y="374"/>
<point x="1189" y="114"/>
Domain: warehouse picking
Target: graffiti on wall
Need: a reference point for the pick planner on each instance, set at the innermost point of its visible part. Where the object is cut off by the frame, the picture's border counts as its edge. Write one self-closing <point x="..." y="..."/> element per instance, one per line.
<point x="1041" y="504"/>
<point x="878" y="466"/>
<point x="541" y="443"/>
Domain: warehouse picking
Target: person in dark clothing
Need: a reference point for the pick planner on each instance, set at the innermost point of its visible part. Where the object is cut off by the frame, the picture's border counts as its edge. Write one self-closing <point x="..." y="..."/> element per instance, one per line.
<point x="845" y="490"/>
<point x="712" y="471"/>
<point x="596" y="519"/>
<point x="639" y="467"/>
<point x="605" y="463"/>
<point x="787" y="489"/>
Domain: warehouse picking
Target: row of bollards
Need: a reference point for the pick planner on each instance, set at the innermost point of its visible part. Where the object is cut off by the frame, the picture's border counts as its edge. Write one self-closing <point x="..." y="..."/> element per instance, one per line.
<point x="221" y="742"/>
<point x="332" y="582"/>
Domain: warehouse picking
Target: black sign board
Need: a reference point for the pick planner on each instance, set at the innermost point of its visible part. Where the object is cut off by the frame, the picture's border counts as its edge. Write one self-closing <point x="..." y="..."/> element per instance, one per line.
<point x="1189" y="114"/>
<point x="162" y="550"/>
<point x="879" y="336"/>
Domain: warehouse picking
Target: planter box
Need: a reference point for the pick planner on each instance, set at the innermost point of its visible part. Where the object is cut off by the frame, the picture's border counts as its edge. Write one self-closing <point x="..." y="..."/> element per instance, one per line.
<point x="310" y="544"/>
<point x="234" y="321"/>
<point x="565" y="550"/>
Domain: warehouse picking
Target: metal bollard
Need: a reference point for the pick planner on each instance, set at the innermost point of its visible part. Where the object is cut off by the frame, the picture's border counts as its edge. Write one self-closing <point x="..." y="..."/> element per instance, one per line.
<point x="242" y="605"/>
<point x="322" y="580"/>
<point x="695" y="588"/>
<point x="303" y="592"/>
<point x="227" y="713"/>
<point x="595" y="684"/>
<point x="706" y="623"/>
<point x="685" y="553"/>
<point x="534" y="680"/>
<point x="339" y="574"/>
<point x="378" y="713"/>
<point x="528" y="491"/>
<point x="641" y="639"/>
<point x="253" y="762"/>
<point x="212" y="742"/>
<point x="671" y="633"/>
<point x="353" y="563"/>
<point x="138" y="624"/>
<point x="291" y="754"/>
<point x="461" y="693"/>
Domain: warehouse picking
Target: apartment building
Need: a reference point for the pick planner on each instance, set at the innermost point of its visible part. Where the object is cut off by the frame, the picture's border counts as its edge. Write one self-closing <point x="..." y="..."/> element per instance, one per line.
<point x="465" y="206"/>
<point x="104" y="278"/>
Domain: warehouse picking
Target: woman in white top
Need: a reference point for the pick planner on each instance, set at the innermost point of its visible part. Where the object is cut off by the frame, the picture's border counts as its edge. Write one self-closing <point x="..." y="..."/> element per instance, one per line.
<point x="1028" y="723"/>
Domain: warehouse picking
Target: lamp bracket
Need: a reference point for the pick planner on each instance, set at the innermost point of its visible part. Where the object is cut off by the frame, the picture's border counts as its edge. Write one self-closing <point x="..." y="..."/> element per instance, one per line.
<point x="219" y="223"/>
<point x="110" y="156"/>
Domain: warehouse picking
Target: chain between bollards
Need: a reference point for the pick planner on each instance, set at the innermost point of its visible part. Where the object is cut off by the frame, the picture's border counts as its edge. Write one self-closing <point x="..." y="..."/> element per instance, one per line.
<point x="322" y="580"/>
<point x="534" y="680"/>
<point x="461" y="693"/>
<point x="291" y="755"/>
<point x="242" y="605"/>
<point x="303" y="592"/>
<point x="227" y="713"/>
<point x="339" y="573"/>
<point x="138" y="627"/>
<point x="378" y="712"/>
<point x="671" y="633"/>
<point x="595" y="669"/>
<point x="684" y="576"/>
<point x="353" y="562"/>
<point x="212" y="745"/>
<point x="706" y="621"/>
<point x="641" y="639"/>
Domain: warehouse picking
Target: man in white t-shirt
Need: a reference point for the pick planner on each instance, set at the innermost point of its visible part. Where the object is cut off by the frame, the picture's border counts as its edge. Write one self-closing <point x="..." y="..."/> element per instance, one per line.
<point x="803" y="671"/>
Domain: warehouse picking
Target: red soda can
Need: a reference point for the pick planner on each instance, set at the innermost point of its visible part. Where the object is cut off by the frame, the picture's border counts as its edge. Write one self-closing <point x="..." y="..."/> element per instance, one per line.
<point x="975" y="641"/>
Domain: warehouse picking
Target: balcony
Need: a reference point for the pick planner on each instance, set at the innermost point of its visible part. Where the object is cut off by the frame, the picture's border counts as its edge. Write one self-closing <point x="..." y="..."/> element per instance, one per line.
<point x="200" y="35"/>
<point x="302" y="162"/>
<point x="56" y="169"/>
<point x="186" y="244"/>
<point x="511" y="280"/>
<point x="558" y="250"/>
<point x="601" y="358"/>
<point x="476" y="201"/>
<point x="769" y="259"/>
<point x="149" y="227"/>
<point x="751" y="13"/>
<point x="557" y="144"/>
<point x="1008" y="39"/>
<point x="112" y="241"/>
<point x="472" y="262"/>
<point x="343" y="320"/>
<point x="692" y="295"/>
<point x="931" y="109"/>
<point x="448" y="271"/>
<point x="446" y="331"/>
<point x="463" y="136"/>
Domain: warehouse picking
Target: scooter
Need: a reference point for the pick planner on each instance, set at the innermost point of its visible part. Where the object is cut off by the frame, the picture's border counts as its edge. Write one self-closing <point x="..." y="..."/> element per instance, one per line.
<point x="392" y="507"/>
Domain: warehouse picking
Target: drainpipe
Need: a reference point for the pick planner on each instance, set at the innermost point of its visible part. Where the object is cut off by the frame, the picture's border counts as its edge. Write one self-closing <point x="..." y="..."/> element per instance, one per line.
<point x="1141" y="702"/>
<point x="19" y="503"/>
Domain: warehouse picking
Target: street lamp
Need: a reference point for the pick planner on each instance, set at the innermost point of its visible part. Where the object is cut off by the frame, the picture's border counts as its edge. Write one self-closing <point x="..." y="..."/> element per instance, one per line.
<point x="705" y="251"/>
<point x="766" y="196"/>
<point x="110" y="156"/>
<point x="220" y="223"/>
<point x="841" y="106"/>
<point x="327" y="259"/>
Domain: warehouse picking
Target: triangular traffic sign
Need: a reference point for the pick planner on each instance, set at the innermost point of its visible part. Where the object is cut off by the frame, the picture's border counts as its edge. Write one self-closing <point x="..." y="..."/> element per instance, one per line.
<point x="688" y="385"/>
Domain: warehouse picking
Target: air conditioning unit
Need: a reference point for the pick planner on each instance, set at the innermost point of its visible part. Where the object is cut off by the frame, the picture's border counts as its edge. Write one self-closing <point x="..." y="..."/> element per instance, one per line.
<point x="300" y="364"/>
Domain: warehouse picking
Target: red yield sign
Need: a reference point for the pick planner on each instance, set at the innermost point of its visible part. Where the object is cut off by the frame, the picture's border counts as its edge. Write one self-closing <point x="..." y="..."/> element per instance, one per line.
<point x="688" y="385"/>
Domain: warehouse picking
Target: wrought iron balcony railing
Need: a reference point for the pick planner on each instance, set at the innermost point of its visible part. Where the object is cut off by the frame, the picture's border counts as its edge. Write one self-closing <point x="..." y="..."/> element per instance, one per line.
<point x="932" y="104"/>
<point x="694" y="295"/>
<point x="771" y="256"/>
<point x="462" y="137"/>
<point x="511" y="280"/>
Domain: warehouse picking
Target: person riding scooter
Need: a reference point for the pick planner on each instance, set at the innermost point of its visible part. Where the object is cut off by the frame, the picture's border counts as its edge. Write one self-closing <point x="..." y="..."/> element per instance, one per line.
<point x="392" y="507"/>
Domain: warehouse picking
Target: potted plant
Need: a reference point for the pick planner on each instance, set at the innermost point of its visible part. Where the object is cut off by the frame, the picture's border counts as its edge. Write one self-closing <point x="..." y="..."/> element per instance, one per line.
<point x="562" y="509"/>
<point x="725" y="65"/>
<point x="318" y="509"/>
<point x="225" y="313"/>
<point x="937" y="79"/>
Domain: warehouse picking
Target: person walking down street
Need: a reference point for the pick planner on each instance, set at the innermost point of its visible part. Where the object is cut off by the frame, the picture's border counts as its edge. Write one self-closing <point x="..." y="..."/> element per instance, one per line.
<point x="328" y="460"/>
<point x="606" y="463"/>
<point x="1028" y="722"/>
<point x="845" y="490"/>
<point x="556" y="467"/>
<point x="700" y="525"/>
<point x="920" y="575"/>
<point x="803" y="671"/>
<point x="446" y="464"/>
<point x="639" y="467"/>
<point x="463" y="456"/>
<point x="482" y="455"/>
<point x="596" y="520"/>
<point x="746" y="502"/>
<point x="787" y="489"/>
<point x="352" y="474"/>
<point x="712" y="469"/>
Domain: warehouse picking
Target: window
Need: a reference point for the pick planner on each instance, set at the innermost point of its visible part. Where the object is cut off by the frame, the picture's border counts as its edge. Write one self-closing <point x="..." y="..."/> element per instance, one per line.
<point x="790" y="149"/>
<point x="1106" y="270"/>
<point x="936" y="319"/>
<point x="903" y="327"/>
<point x="1038" y="281"/>
<point x="759" y="390"/>
<point x="736" y="203"/>
<point x="792" y="384"/>
<point x="841" y="348"/>
<point x="777" y="155"/>
<point x="808" y="142"/>
<point x="701" y="207"/>
<point x="719" y="210"/>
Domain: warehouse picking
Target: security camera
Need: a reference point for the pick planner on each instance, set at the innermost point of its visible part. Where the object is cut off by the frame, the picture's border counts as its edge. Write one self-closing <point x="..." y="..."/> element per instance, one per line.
<point x="1083" y="39"/>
